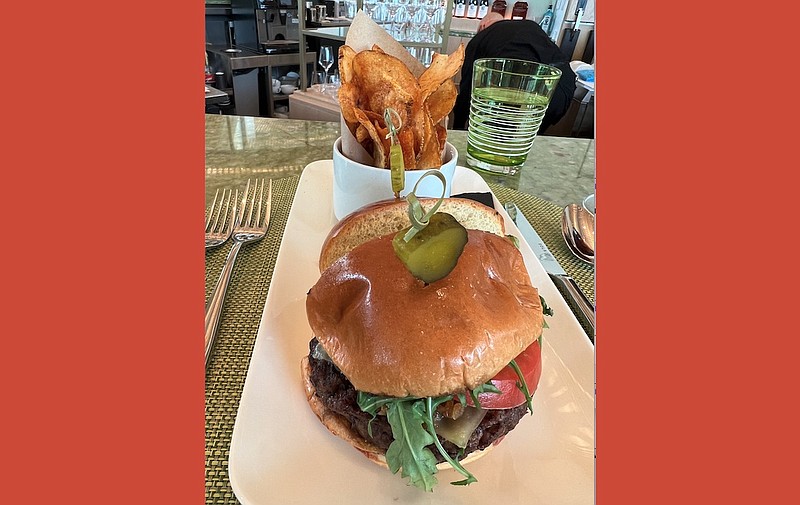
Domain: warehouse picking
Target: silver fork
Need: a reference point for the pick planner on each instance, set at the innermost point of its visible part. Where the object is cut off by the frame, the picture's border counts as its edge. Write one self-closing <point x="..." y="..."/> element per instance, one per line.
<point x="246" y="229"/>
<point x="219" y="222"/>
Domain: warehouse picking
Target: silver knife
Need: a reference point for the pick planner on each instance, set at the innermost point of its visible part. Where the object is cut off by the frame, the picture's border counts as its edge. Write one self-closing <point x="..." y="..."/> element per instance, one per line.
<point x="550" y="264"/>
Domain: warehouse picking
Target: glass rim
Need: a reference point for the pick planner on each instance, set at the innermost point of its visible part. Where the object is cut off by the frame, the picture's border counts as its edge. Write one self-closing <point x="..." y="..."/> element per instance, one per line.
<point x="557" y="70"/>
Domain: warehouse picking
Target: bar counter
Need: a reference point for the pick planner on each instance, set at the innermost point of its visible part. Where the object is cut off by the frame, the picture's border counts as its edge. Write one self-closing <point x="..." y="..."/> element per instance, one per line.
<point x="559" y="171"/>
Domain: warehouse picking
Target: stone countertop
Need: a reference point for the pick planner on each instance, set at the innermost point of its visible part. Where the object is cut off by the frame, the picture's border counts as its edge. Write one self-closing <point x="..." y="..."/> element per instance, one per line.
<point x="558" y="169"/>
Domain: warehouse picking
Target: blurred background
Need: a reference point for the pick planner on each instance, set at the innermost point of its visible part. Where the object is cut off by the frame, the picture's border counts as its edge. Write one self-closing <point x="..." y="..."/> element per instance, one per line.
<point x="255" y="65"/>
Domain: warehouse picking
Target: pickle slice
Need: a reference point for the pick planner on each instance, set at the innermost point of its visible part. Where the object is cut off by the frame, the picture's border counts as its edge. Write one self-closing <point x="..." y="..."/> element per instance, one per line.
<point x="433" y="252"/>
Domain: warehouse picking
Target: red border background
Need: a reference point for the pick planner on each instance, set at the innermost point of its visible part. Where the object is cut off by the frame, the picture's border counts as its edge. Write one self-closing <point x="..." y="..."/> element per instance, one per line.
<point x="695" y="151"/>
<point x="102" y="376"/>
<point x="102" y="373"/>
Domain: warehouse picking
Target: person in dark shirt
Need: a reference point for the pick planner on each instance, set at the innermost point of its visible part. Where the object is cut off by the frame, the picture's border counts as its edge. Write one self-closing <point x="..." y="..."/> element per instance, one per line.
<point x="523" y="40"/>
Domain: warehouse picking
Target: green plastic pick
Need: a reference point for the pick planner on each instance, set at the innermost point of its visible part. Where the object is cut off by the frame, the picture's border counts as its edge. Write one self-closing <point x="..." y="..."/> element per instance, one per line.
<point x="396" y="163"/>
<point x="416" y="213"/>
<point x="398" y="169"/>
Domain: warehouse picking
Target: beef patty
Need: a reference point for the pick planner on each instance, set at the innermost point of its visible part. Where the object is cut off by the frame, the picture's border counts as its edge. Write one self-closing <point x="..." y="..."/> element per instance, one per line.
<point x="339" y="395"/>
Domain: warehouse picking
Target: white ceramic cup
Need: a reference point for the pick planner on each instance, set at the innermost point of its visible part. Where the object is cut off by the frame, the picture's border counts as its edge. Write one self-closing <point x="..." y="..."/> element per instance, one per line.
<point x="356" y="185"/>
<point x="287" y="89"/>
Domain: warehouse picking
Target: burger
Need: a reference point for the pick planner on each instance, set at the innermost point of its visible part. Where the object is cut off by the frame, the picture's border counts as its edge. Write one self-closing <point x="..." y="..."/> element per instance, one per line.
<point x="420" y="375"/>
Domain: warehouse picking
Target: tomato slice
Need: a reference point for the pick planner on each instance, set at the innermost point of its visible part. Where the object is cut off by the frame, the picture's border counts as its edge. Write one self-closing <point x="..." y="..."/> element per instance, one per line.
<point x="530" y="363"/>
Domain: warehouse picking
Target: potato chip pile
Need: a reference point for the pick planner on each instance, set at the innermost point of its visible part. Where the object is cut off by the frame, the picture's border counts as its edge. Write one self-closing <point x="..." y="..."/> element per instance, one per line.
<point x="373" y="81"/>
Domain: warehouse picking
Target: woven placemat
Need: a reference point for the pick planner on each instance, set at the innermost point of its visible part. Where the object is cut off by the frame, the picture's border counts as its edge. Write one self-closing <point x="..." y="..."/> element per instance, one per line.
<point x="244" y="303"/>
<point x="247" y="294"/>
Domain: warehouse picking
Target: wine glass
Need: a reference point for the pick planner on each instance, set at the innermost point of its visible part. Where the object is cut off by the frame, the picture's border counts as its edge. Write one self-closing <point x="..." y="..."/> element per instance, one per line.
<point x="391" y="6"/>
<point x="326" y="62"/>
<point x="369" y="8"/>
<point x="410" y="29"/>
<point x="350" y="8"/>
<point x="335" y="82"/>
<point x="431" y="8"/>
<point x="317" y="78"/>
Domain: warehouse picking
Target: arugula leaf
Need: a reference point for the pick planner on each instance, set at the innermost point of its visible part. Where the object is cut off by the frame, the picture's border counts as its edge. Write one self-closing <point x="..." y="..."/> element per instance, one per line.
<point x="488" y="387"/>
<point x="546" y="310"/>
<point x="408" y="449"/>
<point x="411" y="420"/>
<point x="431" y="405"/>
<point x="522" y="385"/>
<point x="371" y="404"/>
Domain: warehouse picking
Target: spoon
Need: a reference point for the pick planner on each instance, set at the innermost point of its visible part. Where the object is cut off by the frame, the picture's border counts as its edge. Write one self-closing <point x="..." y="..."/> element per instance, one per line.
<point x="573" y="224"/>
<point x="584" y="227"/>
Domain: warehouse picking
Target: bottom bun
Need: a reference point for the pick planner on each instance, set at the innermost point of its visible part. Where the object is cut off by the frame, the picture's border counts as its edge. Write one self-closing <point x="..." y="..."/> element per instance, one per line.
<point x="339" y="426"/>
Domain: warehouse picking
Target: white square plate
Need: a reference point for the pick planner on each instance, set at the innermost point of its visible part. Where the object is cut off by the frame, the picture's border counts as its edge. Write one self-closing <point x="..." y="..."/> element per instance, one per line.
<point x="281" y="454"/>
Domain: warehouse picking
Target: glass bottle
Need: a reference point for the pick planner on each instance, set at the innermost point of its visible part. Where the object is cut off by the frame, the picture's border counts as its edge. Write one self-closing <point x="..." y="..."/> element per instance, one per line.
<point x="499" y="6"/>
<point x="461" y="8"/>
<point x="472" y="9"/>
<point x="483" y="9"/>
<point x="547" y="19"/>
<point x="520" y="10"/>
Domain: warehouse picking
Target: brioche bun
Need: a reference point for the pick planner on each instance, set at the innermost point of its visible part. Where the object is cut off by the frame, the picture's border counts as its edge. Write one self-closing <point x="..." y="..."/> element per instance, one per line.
<point x="391" y="334"/>
<point x="390" y="216"/>
<point x="380" y="330"/>
<point x="339" y="427"/>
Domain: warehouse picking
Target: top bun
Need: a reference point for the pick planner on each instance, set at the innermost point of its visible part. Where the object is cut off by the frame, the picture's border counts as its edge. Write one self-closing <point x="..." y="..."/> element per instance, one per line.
<point x="391" y="334"/>
<point x="390" y="216"/>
